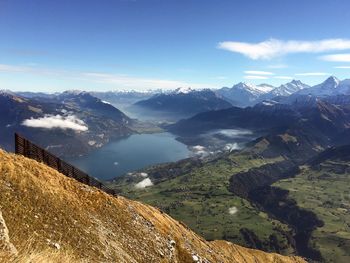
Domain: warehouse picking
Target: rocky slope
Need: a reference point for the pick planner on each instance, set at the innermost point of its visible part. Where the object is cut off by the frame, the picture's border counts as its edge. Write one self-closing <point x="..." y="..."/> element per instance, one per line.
<point x="46" y="211"/>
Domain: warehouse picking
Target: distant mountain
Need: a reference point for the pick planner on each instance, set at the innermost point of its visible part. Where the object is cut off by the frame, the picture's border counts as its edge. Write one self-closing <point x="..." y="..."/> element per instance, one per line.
<point x="84" y="101"/>
<point x="330" y="87"/>
<point x="286" y="89"/>
<point x="122" y="99"/>
<point x="244" y="94"/>
<point x="30" y="95"/>
<point x="269" y="116"/>
<point x="71" y="123"/>
<point x="184" y="102"/>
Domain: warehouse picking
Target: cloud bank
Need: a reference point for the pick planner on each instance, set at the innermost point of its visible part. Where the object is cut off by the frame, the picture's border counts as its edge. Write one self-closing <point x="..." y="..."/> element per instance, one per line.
<point x="272" y="48"/>
<point x="336" y="58"/>
<point x="307" y="74"/>
<point x="56" y="122"/>
<point x="255" y="77"/>
<point x="256" y="72"/>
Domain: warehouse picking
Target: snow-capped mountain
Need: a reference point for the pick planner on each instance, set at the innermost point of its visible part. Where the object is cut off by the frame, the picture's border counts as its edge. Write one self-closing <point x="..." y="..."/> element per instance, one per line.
<point x="183" y="90"/>
<point x="244" y="94"/>
<point x="330" y="87"/>
<point x="289" y="88"/>
<point x="184" y="102"/>
<point x="265" y="87"/>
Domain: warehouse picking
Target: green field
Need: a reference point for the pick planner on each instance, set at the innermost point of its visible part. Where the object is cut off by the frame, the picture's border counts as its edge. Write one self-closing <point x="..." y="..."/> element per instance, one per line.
<point x="326" y="192"/>
<point x="200" y="198"/>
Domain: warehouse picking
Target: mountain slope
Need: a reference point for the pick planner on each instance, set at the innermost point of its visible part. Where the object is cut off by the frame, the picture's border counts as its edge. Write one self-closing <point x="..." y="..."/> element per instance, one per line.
<point x="286" y="89"/>
<point x="244" y="94"/>
<point x="330" y="87"/>
<point x="67" y="124"/>
<point x="270" y="115"/>
<point x="322" y="187"/>
<point x="51" y="210"/>
<point x="184" y="102"/>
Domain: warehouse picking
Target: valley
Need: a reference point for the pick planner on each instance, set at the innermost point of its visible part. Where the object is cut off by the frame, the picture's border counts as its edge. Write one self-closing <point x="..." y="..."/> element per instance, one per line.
<point x="174" y="131"/>
<point x="240" y="174"/>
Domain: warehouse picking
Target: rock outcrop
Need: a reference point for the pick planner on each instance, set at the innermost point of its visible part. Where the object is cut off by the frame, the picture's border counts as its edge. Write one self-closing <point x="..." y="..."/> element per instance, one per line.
<point x="5" y="244"/>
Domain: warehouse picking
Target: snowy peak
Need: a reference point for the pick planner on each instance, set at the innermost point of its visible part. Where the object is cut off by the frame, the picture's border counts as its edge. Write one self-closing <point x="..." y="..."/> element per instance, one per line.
<point x="289" y="88"/>
<point x="255" y="89"/>
<point x="330" y="87"/>
<point x="331" y="82"/>
<point x="265" y="87"/>
<point x="183" y="90"/>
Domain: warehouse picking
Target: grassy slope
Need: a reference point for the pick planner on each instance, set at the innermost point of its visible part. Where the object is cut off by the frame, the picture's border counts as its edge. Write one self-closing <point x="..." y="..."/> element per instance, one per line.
<point x="201" y="199"/>
<point x="39" y="203"/>
<point x="326" y="193"/>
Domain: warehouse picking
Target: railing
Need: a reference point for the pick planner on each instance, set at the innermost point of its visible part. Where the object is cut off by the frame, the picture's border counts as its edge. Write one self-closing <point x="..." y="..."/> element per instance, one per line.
<point x="28" y="149"/>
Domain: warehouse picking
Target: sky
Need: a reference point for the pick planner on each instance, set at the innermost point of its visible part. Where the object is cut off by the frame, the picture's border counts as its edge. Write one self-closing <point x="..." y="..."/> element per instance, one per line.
<point x="151" y="44"/>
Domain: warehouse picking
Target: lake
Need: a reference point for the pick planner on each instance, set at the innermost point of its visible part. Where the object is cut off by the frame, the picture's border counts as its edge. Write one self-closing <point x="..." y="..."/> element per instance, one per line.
<point x="132" y="153"/>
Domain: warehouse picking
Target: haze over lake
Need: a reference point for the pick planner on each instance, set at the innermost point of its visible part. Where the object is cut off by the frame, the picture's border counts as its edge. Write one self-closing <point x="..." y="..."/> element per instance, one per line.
<point x="130" y="154"/>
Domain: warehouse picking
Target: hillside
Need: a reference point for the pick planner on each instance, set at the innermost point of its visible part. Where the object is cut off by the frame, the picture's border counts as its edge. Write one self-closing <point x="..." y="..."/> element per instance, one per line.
<point x="69" y="124"/>
<point x="51" y="218"/>
<point x="322" y="186"/>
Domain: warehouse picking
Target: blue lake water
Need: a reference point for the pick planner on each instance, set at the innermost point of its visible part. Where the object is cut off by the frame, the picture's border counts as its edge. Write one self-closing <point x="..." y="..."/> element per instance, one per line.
<point x="132" y="153"/>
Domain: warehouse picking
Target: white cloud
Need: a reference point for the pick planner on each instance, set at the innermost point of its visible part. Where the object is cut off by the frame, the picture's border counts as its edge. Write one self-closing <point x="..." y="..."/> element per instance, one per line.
<point x="56" y="122"/>
<point x="144" y="183"/>
<point x="232" y="210"/>
<point x="283" y="77"/>
<point x="274" y="47"/>
<point x="337" y="57"/>
<point x="312" y="74"/>
<point x="220" y="77"/>
<point x="256" y="72"/>
<point x="255" y="77"/>
<point x="231" y="147"/>
<point x="278" y="66"/>
<point x="343" y="67"/>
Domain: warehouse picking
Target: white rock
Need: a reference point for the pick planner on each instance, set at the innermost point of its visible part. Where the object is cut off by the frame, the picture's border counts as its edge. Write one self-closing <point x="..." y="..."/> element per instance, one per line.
<point x="195" y="258"/>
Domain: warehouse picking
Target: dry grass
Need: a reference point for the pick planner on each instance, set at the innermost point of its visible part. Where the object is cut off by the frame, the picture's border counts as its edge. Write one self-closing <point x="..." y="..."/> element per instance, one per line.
<point x="45" y="207"/>
<point x="44" y="256"/>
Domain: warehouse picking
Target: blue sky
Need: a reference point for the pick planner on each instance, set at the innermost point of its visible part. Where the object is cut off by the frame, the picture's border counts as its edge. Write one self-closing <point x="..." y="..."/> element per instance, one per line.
<point x="143" y="44"/>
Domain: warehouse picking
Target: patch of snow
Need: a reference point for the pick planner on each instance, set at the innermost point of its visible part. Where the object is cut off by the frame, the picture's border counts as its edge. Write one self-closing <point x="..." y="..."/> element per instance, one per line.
<point x="265" y="88"/>
<point x="183" y="90"/>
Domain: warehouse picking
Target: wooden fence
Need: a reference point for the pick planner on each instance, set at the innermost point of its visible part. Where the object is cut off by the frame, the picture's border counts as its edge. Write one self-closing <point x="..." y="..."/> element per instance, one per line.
<point x="28" y="149"/>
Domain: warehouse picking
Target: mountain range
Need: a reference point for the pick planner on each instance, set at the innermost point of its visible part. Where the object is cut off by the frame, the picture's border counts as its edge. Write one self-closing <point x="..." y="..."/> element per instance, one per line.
<point x="70" y="123"/>
<point x="183" y="102"/>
